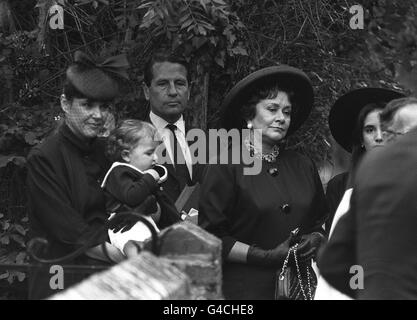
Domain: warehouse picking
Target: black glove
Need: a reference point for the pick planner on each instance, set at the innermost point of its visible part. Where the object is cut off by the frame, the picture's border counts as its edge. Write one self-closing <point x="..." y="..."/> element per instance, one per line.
<point x="122" y="222"/>
<point x="309" y="245"/>
<point x="270" y="258"/>
<point x="148" y="206"/>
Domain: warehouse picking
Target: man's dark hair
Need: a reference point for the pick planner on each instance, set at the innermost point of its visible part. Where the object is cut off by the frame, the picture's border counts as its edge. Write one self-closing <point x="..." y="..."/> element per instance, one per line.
<point x="159" y="57"/>
<point x="387" y="115"/>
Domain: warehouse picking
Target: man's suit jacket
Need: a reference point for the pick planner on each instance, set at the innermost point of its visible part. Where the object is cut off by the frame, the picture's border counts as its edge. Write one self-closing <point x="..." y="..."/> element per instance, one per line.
<point x="379" y="233"/>
<point x="174" y="185"/>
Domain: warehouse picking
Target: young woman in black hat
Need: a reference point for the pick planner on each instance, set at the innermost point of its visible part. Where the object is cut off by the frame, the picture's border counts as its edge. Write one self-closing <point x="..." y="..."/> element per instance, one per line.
<point x="355" y="125"/>
<point x="377" y="234"/>
<point x="66" y="203"/>
<point x="254" y="215"/>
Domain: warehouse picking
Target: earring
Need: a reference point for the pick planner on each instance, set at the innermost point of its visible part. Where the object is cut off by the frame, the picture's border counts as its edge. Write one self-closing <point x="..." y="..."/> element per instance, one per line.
<point x="250" y="126"/>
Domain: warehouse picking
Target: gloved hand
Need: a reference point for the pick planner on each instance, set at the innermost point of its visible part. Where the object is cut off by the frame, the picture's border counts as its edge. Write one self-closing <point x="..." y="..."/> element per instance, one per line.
<point x="271" y="258"/>
<point x="309" y="245"/>
<point x="122" y="222"/>
<point x="148" y="206"/>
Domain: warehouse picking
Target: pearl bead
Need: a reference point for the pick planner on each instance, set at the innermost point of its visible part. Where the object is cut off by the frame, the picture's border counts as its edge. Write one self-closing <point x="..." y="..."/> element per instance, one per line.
<point x="273" y="171"/>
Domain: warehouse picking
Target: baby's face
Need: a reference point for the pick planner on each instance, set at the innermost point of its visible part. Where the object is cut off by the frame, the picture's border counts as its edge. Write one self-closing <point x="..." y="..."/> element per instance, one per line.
<point x="143" y="156"/>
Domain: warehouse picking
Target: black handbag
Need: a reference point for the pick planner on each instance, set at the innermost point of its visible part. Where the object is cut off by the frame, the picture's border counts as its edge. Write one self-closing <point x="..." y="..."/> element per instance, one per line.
<point x="296" y="280"/>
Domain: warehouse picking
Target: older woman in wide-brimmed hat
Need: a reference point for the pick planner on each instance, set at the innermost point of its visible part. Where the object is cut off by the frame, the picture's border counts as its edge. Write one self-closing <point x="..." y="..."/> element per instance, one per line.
<point x="255" y="214"/>
<point x="66" y="202"/>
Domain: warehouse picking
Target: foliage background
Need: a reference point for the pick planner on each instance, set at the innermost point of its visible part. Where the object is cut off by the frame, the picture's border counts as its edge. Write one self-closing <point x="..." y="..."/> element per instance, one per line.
<point x="223" y="40"/>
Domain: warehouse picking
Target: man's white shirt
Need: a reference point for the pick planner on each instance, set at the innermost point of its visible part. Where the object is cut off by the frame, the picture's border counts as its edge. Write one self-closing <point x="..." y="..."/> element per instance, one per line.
<point x="324" y="290"/>
<point x="180" y="133"/>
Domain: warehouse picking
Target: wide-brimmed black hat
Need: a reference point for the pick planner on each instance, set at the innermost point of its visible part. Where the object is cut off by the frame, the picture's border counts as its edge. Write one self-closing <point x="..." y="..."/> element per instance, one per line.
<point x="97" y="81"/>
<point x="288" y="77"/>
<point x="345" y="111"/>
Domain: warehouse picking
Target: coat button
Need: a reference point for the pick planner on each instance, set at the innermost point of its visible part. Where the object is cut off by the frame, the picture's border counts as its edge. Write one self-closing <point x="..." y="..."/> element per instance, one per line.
<point x="286" y="208"/>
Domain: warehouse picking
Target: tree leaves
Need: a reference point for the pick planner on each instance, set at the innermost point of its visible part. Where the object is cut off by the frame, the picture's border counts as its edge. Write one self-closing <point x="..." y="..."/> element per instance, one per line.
<point x="239" y="50"/>
<point x="392" y="40"/>
<point x="4" y="275"/>
<point x="220" y="58"/>
<point x="196" y="24"/>
<point x="18" y="239"/>
<point x="12" y="237"/>
<point x="94" y="3"/>
<point x="407" y="77"/>
<point x="5" y="240"/>
<point x="17" y="160"/>
<point x="30" y="138"/>
<point x="20" y="229"/>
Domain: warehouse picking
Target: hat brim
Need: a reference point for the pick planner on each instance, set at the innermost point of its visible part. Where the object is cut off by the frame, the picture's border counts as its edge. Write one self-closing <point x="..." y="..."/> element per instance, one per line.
<point x="345" y="111"/>
<point x="288" y="77"/>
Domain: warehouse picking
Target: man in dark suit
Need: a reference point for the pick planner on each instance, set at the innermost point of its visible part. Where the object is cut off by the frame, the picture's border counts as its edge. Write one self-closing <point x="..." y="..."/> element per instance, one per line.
<point x="167" y="88"/>
<point x="378" y="234"/>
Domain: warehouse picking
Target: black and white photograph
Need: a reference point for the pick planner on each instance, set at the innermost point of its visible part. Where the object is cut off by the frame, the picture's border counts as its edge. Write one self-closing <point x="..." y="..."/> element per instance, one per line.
<point x="214" y="151"/>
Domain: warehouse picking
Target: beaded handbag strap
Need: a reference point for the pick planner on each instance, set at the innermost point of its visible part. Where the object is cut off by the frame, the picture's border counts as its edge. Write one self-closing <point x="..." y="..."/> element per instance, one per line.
<point x="293" y="249"/>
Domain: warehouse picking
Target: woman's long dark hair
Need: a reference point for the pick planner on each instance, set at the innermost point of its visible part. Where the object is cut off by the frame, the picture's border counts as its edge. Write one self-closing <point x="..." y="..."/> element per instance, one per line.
<point x="358" y="150"/>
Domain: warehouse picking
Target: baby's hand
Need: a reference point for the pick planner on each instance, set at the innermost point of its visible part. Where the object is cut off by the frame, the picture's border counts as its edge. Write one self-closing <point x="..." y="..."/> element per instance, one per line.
<point x="132" y="248"/>
<point x="154" y="174"/>
<point x="158" y="172"/>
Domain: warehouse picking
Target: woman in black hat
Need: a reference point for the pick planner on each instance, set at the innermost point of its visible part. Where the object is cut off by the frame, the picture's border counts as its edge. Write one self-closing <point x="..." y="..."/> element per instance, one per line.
<point x="66" y="202"/>
<point x="355" y="125"/>
<point x="254" y="215"/>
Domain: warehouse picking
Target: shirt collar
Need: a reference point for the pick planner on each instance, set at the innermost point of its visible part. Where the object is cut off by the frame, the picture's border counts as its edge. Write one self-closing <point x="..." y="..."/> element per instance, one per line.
<point x="161" y="124"/>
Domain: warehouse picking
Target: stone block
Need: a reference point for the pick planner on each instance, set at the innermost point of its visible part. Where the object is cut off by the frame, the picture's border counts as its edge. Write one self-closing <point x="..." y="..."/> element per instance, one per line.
<point x="144" y="277"/>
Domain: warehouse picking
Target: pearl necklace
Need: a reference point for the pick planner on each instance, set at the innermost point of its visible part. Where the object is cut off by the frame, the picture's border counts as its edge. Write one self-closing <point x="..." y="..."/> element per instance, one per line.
<point x="268" y="157"/>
